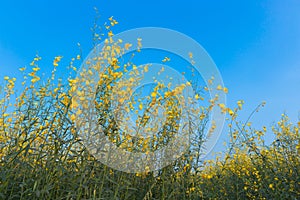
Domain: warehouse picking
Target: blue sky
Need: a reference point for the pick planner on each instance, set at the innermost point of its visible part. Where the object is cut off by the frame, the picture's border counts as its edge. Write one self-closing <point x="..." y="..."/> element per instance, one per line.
<point x="255" y="44"/>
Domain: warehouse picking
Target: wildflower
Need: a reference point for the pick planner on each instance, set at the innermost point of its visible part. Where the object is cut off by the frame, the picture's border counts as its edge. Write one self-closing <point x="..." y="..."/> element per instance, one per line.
<point x="90" y="72"/>
<point x="36" y="69"/>
<point x="265" y="129"/>
<point x="57" y="60"/>
<point x="141" y="106"/>
<point x="110" y="34"/>
<point x="166" y="59"/>
<point x="146" y="68"/>
<point x="223" y="107"/>
<point x="139" y="42"/>
<point x="32" y="74"/>
<point x="127" y="46"/>
<point x="37" y="58"/>
<point x="35" y="79"/>
<point x="22" y="69"/>
<point x="231" y="113"/>
<point x="240" y="104"/>
<point x="202" y="116"/>
<point x="197" y="96"/>
<point x="73" y="117"/>
<point x="153" y="94"/>
<point x="112" y="21"/>
<point x="225" y="90"/>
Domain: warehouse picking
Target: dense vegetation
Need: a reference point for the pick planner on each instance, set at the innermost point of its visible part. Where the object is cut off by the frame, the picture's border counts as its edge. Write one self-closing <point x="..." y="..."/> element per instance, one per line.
<point x="43" y="157"/>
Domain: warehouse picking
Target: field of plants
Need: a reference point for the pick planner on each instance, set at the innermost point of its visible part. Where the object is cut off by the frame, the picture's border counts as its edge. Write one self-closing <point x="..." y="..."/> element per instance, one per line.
<point x="42" y="155"/>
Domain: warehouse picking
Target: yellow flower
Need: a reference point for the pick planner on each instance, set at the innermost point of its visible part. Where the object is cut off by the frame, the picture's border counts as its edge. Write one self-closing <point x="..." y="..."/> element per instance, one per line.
<point x="127" y="46"/>
<point x="35" y="79"/>
<point x="139" y="42"/>
<point x="57" y="60"/>
<point x="37" y="58"/>
<point x="112" y="21"/>
<point x="6" y="78"/>
<point x="56" y="89"/>
<point x="240" y="104"/>
<point x="146" y="68"/>
<point x="225" y="90"/>
<point x="22" y="69"/>
<point x="32" y="74"/>
<point x="73" y="117"/>
<point x="231" y="113"/>
<point x="36" y="69"/>
<point x="197" y="96"/>
<point x="202" y="116"/>
<point x="141" y="106"/>
<point x="110" y="34"/>
<point x="153" y="94"/>
<point x="265" y="129"/>
<point x="223" y="107"/>
<point x="166" y="59"/>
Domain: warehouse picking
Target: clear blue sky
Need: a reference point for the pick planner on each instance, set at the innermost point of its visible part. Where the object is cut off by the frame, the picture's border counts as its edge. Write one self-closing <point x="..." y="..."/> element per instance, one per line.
<point x="255" y="44"/>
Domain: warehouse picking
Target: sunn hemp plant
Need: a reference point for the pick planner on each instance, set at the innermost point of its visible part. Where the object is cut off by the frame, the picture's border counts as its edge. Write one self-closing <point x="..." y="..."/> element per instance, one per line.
<point x="42" y="155"/>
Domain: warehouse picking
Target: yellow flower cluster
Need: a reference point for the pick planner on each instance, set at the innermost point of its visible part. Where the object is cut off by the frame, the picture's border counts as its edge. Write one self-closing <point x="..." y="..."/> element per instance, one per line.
<point x="43" y="157"/>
